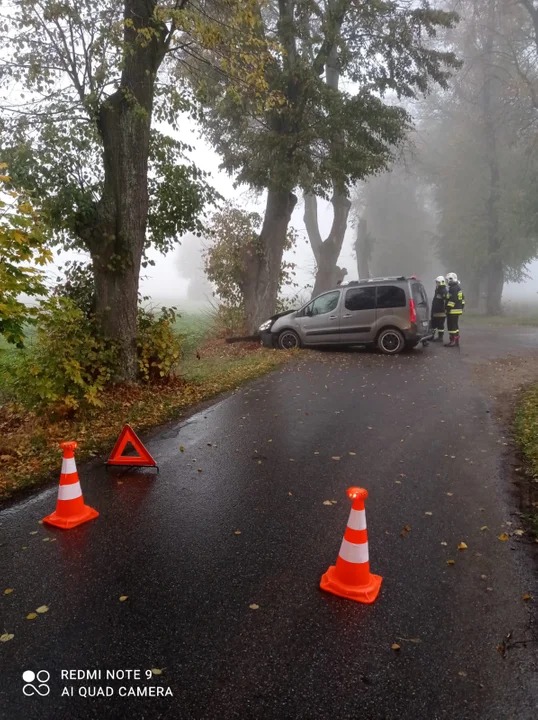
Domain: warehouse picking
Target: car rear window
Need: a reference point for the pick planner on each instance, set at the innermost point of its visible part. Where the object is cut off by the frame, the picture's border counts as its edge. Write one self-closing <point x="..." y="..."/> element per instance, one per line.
<point x="360" y="299"/>
<point x="419" y="294"/>
<point x="390" y="296"/>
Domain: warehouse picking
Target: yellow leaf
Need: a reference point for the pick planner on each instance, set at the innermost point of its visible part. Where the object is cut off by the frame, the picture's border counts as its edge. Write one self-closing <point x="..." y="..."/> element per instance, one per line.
<point x="351" y="453"/>
<point x="484" y="527"/>
<point x="450" y="494"/>
<point x="444" y="543"/>
<point x="527" y="596"/>
<point x="8" y="591"/>
<point x="450" y="562"/>
<point x="428" y="513"/>
<point x="237" y="532"/>
<point x="34" y="532"/>
<point x="156" y="671"/>
<point x="335" y="457"/>
<point x="42" y="609"/>
<point x="327" y="502"/>
<point x="462" y="546"/>
<point x="395" y="646"/>
<point x="254" y="606"/>
<point x="519" y="533"/>
<point x="123" y="598"/>
<point x="181" y="448"/>
<point x="31" y="616"/>
<point x="503" y="537"/>
<point x="6" y="636"/>
<point x="46" y="540"/>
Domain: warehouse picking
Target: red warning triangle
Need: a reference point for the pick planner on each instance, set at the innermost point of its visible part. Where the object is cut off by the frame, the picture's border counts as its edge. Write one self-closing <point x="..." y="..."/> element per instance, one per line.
<point x="143" y="459"/>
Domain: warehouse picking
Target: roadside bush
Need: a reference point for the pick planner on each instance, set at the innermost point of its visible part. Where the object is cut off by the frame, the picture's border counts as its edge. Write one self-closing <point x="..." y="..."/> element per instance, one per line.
<point x="68" y="365"/>
<point x="159" y="346"/>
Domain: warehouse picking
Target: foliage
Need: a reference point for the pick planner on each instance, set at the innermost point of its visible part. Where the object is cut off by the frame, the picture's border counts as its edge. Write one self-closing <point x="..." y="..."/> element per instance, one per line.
<point x="233" y="233"/>
<point x="78" y="285"/>
<point x="159" y="347"/>
<point x="68" y="365"/>
<point x="23" y="246"/>
<point x="381" y="48"/>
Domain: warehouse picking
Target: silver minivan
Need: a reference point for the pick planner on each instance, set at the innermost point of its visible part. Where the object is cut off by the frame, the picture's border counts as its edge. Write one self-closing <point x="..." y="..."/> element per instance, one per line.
<point x="389" y="313"/>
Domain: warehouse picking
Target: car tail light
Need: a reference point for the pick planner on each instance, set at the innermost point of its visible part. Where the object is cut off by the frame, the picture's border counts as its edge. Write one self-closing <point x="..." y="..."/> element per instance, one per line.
<point x="412" y="311"/>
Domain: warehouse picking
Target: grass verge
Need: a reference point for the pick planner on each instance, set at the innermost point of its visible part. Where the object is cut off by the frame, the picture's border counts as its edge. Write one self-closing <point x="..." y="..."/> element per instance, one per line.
<point x="29" y="444"/>
<point x="526" y="434"/>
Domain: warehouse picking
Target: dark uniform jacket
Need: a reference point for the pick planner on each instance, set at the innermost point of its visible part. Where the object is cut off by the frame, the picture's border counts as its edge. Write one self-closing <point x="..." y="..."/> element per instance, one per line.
<point x="439" y="301"/>
<point x="455" y="300"/>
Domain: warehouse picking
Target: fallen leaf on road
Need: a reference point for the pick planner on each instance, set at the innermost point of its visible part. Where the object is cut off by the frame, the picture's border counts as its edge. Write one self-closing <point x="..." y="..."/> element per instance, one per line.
<point x="450" y="562"/>
<point x="411" y="640"/>
<point x="316" y="453"/>
<point x="123" y="598"/>
<point x="519" y="533"/>
<point x="327" y="502"/>
<point x="199" y="469"/>
<point x="484" y="527"/>
<point x="335" y="457"/>
<point x="398" y="482"/>
<point x="8" y="591"/>
<point x="290" y="494"/>
<point x="462" y="546"/>
<point x="46" y="540"/>
<point x="25" y="547"/>
<point x="237" y="532"/>
<point x="181" y="448"/>
<point x="31" y="616"/>
<point x="6" y="636"/>
<point x="444" y="543"/>
<point x="484" y="577"/>
<point x="352" y="453"/>
<point x="462" y="673"/>
<point x="42" y="609"/>
<point x="428" y="513"/>
<point x="395" y="646"/>
<point x="334" y="502"/>
<point x="408" y="528"/>
<point x="450" y="494"/>
<point x="156" y="671"/>
<point x="40" y="522"/>
<point x="34" y="532"/>
<point x="254" y="606"/>
<point x="503" y="537"/>
<point x="527" y="596"/>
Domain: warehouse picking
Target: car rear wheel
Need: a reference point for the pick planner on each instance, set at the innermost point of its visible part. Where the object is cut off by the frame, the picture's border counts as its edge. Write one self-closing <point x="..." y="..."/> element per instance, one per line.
<point x="391" y="341"/>
<point x="288" y="340"/>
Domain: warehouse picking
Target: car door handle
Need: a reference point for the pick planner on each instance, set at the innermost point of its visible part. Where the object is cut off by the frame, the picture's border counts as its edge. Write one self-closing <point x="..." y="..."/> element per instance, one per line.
<point x="332" y="317"/>
<point x="348" y="315"/>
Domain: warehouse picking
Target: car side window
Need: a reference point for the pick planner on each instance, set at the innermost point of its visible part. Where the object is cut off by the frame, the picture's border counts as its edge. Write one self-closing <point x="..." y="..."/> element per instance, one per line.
<point x="391" y="296"/>
<point x="360" y="299"/>
<point x="419" y="294"/>
<point x="323" y="304"/>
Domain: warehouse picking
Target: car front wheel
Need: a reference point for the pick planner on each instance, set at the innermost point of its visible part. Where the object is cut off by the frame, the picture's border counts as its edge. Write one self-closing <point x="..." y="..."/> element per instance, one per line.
<point x="288" y="340"/>
<point x="391" y="341"/>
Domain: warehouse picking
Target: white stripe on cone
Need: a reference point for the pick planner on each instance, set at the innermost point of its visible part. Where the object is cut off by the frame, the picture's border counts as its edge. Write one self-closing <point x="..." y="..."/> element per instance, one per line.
<point x="354" y="553"/>
<point x="69" y="492"/>
<point x="357" y="520"/>
<point x="68" y="466"/>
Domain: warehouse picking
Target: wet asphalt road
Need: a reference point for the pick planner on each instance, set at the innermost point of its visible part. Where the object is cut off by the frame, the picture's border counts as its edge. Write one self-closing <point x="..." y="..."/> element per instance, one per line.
<point x="193" y="550"/>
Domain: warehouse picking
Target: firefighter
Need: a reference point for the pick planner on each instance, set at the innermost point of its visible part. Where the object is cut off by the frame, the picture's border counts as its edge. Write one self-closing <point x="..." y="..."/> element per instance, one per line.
<point x="455" y="305"/>
<point x="439" y="309"/>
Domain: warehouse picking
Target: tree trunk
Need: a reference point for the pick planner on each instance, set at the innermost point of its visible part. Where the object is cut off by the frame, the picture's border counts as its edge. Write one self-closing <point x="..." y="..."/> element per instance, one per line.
<point x="327" y="252"/>
<point x="262" y="268"/>
<point x="363" y="250"/>
<point x="495" y="272"/>
<point x="118" y="231"/>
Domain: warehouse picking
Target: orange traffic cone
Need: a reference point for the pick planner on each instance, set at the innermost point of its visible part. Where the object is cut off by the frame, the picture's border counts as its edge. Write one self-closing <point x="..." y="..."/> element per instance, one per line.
<point x="351" y="577"/>
<point x="70" y="509"/>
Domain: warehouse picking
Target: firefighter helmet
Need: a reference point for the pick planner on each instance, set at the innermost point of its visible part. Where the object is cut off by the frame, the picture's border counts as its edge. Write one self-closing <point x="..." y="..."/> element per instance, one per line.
<point x="452" y="278"/>
<point x="440" y="280"/>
